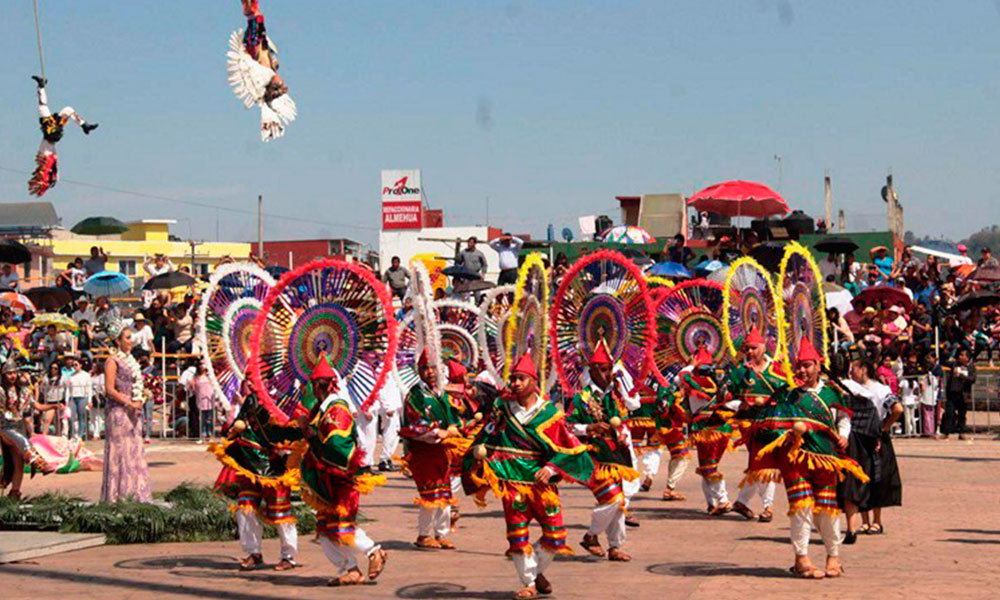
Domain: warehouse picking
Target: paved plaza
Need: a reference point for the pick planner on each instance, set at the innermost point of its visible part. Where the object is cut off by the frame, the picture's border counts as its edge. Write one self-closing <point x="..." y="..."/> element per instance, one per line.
<point x="944" y="542"/>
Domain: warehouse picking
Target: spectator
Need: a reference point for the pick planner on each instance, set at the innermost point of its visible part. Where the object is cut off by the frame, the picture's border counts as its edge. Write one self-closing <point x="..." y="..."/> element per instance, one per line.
<point x="97" y="261"/>
<point x="83" y="312"/>
<point x="51" y="400"/>
<point x="678" y="251"/>
<point x="182" y="326"/>
<point x="108" y="318"/>
<point x="84" y="340"/>
<point x="204" y="394"/>
<point x="963" y="256"/>
<point x="9" y="278"/>
<point x="159" y="265"/>
<point x="143" y="336"/>
<point x="958" y="390"/>
<point x="80" y="396"/>
<point x="986" y="258"/>
<point x="153" y="389"/>
<point x="73" y="278"/>
<point x="883" y="262"/>
<point x="507" y="248"/>
<point x="929" y="389"/>
<point x="471" y="259"/>
<point x="397" y="277"/>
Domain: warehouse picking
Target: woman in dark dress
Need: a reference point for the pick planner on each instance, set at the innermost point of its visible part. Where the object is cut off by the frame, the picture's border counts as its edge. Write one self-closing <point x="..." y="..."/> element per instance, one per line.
<point x="875" y="409"/>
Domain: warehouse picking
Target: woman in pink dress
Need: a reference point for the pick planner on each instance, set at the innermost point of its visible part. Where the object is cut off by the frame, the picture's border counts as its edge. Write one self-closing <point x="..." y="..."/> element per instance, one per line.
<point x="126" y="476"/>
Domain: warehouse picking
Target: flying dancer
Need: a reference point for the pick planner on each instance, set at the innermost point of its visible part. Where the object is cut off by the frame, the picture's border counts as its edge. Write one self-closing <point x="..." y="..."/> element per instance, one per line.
<point x="47" y="169"/>
<point x="253" y="73"/>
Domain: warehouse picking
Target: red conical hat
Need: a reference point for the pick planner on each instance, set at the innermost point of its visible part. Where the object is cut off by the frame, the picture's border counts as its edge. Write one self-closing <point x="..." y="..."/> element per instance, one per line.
<point x="702" y="357"/>
<point x="456" y="371"/>
<point x="323" y="369"/>
<point x="423" y="360"/>
<point x="601" y="356"/>
<point x="525" y="366"/>
<point x="807" y="351"/>
<point x="754" y="338"/>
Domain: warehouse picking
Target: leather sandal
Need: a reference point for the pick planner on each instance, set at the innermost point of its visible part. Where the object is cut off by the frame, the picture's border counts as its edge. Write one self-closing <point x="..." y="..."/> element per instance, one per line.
<point x="352" y="577"/>
<point x="592" y="545"/>
<point x="376" y="563"/>
<point x="427" y="543"/>
<point x="767" y="516"/>
<point x="542" y="585"/>
<point x="744" y="510"/>
<point x="445" y="543"/>
<point x="672" y="496"/>
<point x="526" y="593"/>
<point x="618" y="555"/>
<point x="807" y="573"/>
<point x="647" y="483"/>
<point x="286" y="565"/>
<point x="252" y="562"/>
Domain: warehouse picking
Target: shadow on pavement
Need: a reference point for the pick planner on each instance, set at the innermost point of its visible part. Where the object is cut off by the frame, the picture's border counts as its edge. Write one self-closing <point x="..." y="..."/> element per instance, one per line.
<point x="980" y="531"/>
<point x="715" y="570"/>
<point x="691" y="514"/>
<point x="777" y="539"/>
<point x="201" y="561"/>
<point x="954" y="458"/>
<point x="968" y="541"/>
<point x="447" y="590"/>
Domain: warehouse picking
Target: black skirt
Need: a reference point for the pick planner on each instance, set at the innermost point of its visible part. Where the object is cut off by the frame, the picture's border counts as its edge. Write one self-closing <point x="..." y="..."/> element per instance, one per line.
<point x="884" y="487"/>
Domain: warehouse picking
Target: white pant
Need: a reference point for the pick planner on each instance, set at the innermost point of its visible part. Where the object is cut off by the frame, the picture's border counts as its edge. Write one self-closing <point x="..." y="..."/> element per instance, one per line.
<point x="675" y="470"/>
<point x="631" y="488"/>
<point x="456" y="486"/>
<point x="252" y="533"/>
<point x="345" y="558"/>
<point x="390" y="435"/>
<point x="609" y="519"/>
<point x="530" y="566"/>
<point x="651" y="462"/>
<point x="801" y="527"/>
<point x="434" y="522"/>
<point x="715" y="491"/>
<point x="758" y="488"/>
<point x="367" y="435"/>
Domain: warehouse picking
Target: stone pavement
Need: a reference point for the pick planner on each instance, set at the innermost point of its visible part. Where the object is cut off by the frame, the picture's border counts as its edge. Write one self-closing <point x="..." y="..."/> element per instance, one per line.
<point x="944" y="542"/>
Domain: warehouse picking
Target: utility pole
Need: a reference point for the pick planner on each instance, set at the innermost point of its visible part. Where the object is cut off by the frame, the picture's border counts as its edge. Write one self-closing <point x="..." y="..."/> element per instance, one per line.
<point x="828" y="202"/>
<point x="260" y="228"/>
<point x="890" y="201"/>
<point x="841" y="221"/>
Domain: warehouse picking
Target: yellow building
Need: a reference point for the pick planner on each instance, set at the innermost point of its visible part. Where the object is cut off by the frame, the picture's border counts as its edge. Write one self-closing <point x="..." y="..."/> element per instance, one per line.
<point x="128" y="251"/>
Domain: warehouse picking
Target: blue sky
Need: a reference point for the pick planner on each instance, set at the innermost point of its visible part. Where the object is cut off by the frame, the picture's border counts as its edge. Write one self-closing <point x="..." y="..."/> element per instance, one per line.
<point x="550" y="108"/>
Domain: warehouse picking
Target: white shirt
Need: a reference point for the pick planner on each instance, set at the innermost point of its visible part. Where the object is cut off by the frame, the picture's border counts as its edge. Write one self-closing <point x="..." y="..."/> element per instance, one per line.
<point x="11" y="280"/>
<point x="143" y="338"/>
<point x="389" y="397"/>
<point x="928" y="389"/>
<point x="523" y="415"/>
<point x="79" y="385"/>
<point x="908" y="387"/>
<point x="187" y="377"/>
<point x="875" y="392"/>
<point x="507" y="254"/>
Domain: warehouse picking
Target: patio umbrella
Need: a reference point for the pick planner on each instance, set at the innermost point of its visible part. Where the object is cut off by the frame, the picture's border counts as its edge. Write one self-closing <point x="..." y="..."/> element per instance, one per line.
<point x="719" y="275"/>
<point x="59" y="320"/>
<point x="169" y="280"/>
<point x="99" y="226"/>
<point x="14" y="252"/>
<point x="627" y="234"/>
<point x="986" y="274"/>
<point x="740" y="199"/>
<point x="18" y="303"/>
<point x="49" y="298"/>
<point x="769" y="254"/>
<point x="107" y="283"/>
<point x="884" y="296"/>
<point x="459" y="272"/>
<point x="670" y="269"/>
<point x="976" y="300"/>
<point x="638" y="257"/>
<point x="836" y="244"/>
<point x="840" y="299"/>
<point x="471" y="287"/>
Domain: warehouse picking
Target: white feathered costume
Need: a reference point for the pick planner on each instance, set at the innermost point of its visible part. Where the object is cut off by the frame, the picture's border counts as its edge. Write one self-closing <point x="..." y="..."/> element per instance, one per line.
<point x="250" y="81"/>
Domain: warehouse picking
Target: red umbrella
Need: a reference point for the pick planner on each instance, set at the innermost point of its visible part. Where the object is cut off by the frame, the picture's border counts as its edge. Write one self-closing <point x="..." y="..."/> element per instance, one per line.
<point x="882" y="295"/>
<point x="740" y="199"/>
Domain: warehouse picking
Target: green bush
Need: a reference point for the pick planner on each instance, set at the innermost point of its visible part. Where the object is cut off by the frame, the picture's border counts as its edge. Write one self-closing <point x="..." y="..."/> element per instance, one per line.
<point x="193" y="514"/>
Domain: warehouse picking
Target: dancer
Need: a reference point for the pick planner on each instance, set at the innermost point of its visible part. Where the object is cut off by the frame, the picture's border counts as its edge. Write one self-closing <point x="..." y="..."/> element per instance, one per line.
<point x="255" y="472"/>
<point x="465" y="404"/>
<point x="428" y="421"/>
<point x="754" y="383"/>
<point x="806" y="431"/>
<point x="17" y="450"/>
<point x="523" y="450"/>
<point x="47" y="161"/>
<point x="333" y="477"/>
<point x="253" y="73"/>
<point x="711" y="430"/>
<point x="671" y="421"/>
<point x="596" y="414"/>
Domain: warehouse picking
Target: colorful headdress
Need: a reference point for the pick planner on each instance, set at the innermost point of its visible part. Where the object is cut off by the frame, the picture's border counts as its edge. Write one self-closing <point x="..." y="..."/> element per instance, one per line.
<point x="702" y="357"/>
<point x="323" y="369"/>
<point x="754" y="338"/>
<point x="525" y="366"/>
<point x="807" y="352"/>
<point x="600" y="355"/>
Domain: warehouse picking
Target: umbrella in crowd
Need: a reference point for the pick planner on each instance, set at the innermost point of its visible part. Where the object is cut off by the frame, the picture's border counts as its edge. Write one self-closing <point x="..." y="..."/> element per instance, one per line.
<point x="740" y="199"/>
<point x="707" y="266"/>
<point x="986" y="274"/>
<point x="769" y="254"/>
<point x="169" y="280"/>
<point x="60" y="321"/>
<point x="99" y="226"/>
<point x="670" y="269"/>
<point x="18" y="303"/>
<point x="638" y="257"/>
<point x="107" y="283"/>
<point x="14" y="252"/>
<point x="276" y="271"/>
<point x="471" y="286"/>
<point x="626" y="234"/>
<point x="459" y="272"/>
<point x="49" y="298"/>
<point x="719" y="275"/>
<point x="836" y="244"/>
<point x="976" y="300"/>
<point x="882" y="296"/>
<point x="838" y="297"/>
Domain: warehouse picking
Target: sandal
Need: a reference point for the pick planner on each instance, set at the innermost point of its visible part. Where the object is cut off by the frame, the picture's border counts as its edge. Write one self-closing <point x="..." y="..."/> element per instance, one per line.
<point x="834" y="573"/>
<point x="352" y="577"/>
<point x="865" y="529"/>
<point x="526" y="593"/>
<point x="618" y="555"/>
<point x="252" y="562"/>
<point x="808" y="573"/>
<point x="876" y="529"/>
<point x="766" y="516"/>
<point x="376" y="563"/>
<point x="592" y="545"/>
<point x="671" y="496"/>
<point x="286" y="564"/>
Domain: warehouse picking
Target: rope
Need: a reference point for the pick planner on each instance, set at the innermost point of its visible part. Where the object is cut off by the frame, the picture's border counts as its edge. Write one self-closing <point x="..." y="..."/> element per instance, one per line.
<point x="38" y="34"/>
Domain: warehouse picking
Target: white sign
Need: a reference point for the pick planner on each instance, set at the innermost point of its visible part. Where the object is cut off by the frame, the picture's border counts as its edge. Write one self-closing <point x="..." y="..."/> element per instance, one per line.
<point x="401" y="185"/>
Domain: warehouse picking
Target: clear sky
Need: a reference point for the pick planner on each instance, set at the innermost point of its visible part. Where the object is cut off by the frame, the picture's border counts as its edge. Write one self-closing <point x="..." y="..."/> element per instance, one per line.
<point x="549" y="108"/>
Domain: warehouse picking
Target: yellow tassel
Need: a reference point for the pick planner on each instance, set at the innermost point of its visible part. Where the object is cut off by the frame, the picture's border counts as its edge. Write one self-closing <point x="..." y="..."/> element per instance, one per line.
<point x="290" y="478"/>
<point x="617" y="472"/>
<point x="806" y="503"/>
<point x="366" y="482"/>
<point x="775" y="444"/>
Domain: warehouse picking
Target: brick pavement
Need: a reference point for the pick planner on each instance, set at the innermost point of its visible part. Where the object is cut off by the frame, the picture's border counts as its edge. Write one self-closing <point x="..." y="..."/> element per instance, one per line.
<point x="943" y="543"/>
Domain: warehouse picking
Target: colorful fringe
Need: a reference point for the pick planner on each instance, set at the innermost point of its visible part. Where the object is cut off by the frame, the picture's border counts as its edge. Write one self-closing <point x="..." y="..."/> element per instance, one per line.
<point x="616" y="472"/>
<point x="337" y="527"/>
<point x="752" y="476"/>
<point x="278" y="505"/>
<point x="291" y="478"/>
<point x="812" y="460"/>
<point x="608" y="491"/>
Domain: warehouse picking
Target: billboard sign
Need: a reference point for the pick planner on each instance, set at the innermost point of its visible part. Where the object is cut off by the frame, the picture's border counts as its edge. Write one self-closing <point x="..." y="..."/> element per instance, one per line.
<point x="402" y="199"/>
